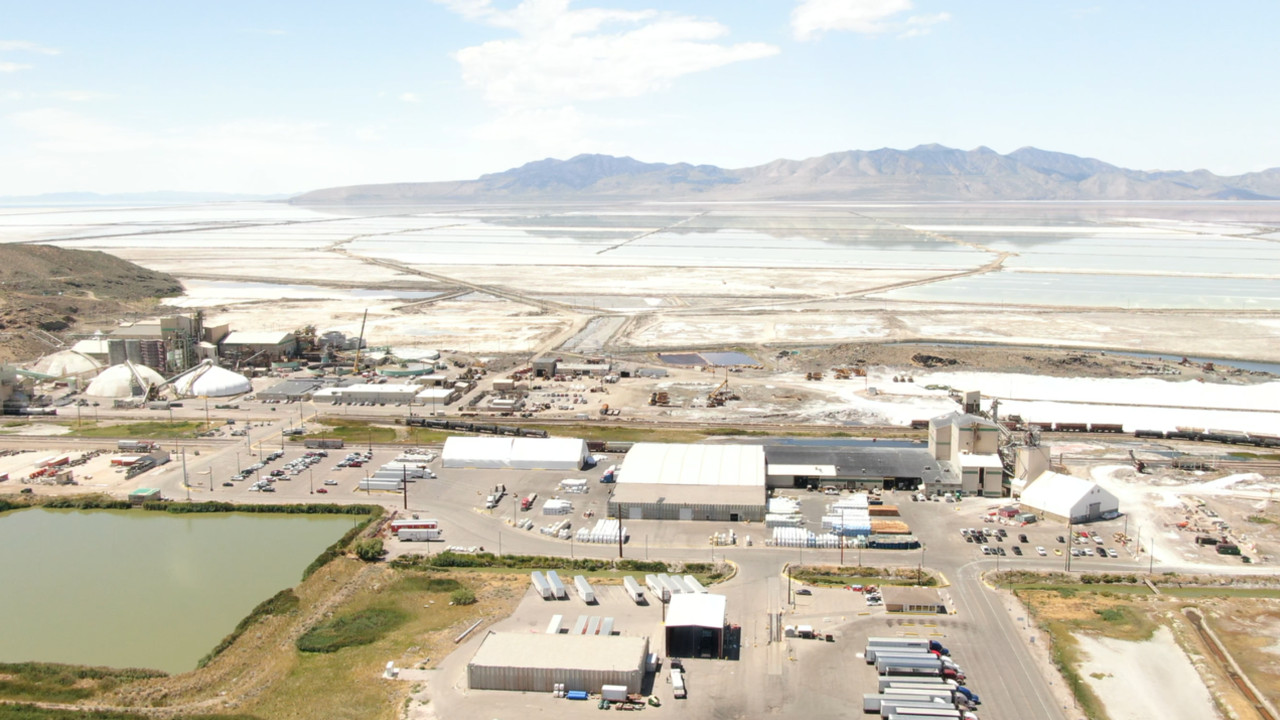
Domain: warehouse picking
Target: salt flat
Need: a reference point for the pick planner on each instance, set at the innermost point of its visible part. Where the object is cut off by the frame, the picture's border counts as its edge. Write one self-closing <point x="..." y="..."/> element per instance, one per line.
<point x="1182" y="278"/>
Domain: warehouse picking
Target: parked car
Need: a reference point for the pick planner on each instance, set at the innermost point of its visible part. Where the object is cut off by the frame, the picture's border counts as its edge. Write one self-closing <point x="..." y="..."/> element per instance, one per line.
<point x="330" y="481"/>
<point x="322" y="491"/>
<point x="1040" y="549"/>
<point x="1022" y="538"/>
<point x="804" y="591"/>
<point x="1017" y="550"/>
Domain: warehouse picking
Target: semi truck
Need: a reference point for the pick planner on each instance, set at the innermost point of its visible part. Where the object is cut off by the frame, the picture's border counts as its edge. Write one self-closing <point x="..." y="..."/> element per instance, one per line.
<point x="892" y="705"/>
<point x="677" y="683"/>
<point x="910" y="713"/>
<point x="877" y="645"/>
<point x="872" y="702"/>
<point x="928" y="660"/>
<point x="919" y="671"/>
<point x="136" y="445"/>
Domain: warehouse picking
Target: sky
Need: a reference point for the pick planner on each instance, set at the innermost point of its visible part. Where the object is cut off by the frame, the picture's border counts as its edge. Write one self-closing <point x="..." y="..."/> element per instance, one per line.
<point x="288" y="96"/>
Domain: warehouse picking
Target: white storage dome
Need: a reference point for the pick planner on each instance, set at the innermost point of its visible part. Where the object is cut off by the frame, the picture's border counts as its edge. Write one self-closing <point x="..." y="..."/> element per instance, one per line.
<point x="118" y="381"/>
<point x="212" y="381"/>
<point x="67" y="363"/>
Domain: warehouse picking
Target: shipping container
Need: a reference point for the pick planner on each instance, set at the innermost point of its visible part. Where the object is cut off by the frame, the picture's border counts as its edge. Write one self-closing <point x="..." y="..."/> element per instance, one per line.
<point x="614" y="693"/>
<point x="553" y="627"/>
<point x="606" y="626"/>
<point x="657" y="588"/>
<point x="580" y="625"/>
<point x="593" y="626"/>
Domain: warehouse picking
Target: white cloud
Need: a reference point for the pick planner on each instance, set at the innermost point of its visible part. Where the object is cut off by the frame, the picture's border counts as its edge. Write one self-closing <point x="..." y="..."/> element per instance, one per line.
<point x="10" y="67"/>
<point x="561" y="57"/>
<point x="410" y="97"/>
<point x="80" y="95"/>
<point x="24" y="46"/>
<point x="812" y="18"/>
<point x="918" y="25"/>
<point x="64" y="150"/>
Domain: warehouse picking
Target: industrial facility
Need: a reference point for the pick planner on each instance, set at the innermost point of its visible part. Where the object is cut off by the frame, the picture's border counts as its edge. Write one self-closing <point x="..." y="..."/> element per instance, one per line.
<point x="515" y="453"/>
<point x="537" y="662"/>
<point x="695" y="625"/>
<point x="1069" y="498"/>
<point x="661" y="481"/>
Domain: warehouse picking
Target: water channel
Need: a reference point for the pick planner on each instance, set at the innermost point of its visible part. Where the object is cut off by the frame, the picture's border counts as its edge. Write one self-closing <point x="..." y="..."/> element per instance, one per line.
<point x="132" y="588"/>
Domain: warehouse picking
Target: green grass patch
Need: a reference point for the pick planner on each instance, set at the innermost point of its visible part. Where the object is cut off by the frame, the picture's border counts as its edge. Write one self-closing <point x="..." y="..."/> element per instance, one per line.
<point x="362" y="627"/>
<point x="54" y="682"/>
<point x="1260" y="520"/>
<point x="140" y="430"/>
<point x="33" y="712"/>
<point x="412" y="582"/>
<point x="353" y="432"/>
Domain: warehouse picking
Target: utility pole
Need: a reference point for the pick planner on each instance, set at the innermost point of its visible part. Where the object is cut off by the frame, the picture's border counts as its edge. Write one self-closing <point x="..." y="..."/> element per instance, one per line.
<point x="404" y="487"/>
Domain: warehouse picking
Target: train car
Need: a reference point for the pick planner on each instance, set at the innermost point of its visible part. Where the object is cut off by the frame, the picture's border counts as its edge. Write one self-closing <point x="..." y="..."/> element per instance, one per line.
<point x="1157" y="434"/>
<point x="1106" y="428"/>
<point x="1071" y="427"/>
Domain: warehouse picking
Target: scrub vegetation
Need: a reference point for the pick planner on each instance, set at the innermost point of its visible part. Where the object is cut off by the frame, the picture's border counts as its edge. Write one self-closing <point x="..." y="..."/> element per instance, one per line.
<point x="55" y="682"/>
<point x="358" y="628"/>
<point x="353" y="432"/>
<point x="861" y="575"/>
<point x="141" y="430"/>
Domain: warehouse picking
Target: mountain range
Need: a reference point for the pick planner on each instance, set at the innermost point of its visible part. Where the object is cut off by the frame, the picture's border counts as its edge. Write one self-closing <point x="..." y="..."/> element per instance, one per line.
<point x="925" y="172"/>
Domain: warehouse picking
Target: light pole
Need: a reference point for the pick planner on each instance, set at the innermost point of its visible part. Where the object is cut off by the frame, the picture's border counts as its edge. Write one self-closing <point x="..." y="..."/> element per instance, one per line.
<point x="311" y="480"/>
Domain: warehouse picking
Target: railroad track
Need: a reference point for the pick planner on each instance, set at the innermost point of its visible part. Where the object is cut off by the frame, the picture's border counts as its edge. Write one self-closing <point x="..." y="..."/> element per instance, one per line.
<point x="1228" y="666"/>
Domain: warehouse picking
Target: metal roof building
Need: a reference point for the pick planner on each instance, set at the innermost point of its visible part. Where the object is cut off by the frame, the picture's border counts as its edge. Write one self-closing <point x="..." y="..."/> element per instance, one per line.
<point x="536" y="662"/>
<point x="854" y="466"/>
<point x="515" y="453"/>
<point x="695" y="625"/>
<point x="661" y="481"/>
<point x="1069" y="498"/>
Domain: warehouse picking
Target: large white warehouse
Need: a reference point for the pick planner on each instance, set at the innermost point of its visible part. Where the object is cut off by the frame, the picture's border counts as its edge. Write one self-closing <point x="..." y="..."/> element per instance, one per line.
<point x="515" y="453"/>
<point x="1069" y="498"/>
<point x="663" y="481"/>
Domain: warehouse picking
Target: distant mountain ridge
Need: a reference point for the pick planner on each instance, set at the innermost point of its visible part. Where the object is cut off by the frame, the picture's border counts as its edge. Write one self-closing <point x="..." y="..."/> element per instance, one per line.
<point x="925" y="172"/>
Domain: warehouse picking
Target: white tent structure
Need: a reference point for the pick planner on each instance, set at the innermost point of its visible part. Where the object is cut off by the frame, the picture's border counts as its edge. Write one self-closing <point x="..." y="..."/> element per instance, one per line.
<point x="67" y="363"/>
<point x="209" y="380"/>
<point x="124" y="381"/>
<point x="515" y="453"/>
<point x="1069" y="498"/>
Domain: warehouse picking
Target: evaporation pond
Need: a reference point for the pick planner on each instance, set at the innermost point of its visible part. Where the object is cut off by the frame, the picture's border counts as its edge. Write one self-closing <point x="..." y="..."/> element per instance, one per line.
<point x="137" y="588"/>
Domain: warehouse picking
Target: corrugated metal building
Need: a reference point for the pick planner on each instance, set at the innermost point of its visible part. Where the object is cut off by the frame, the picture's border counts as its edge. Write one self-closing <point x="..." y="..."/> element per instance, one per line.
<point x="695" y="625"/>
<point x="855" y="467"/>
<point x="660" y="481"/>
<point x="535" y="662"/>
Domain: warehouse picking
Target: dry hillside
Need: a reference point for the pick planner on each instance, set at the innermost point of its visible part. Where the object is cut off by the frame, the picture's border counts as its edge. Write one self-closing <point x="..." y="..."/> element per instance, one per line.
<point x="46" y="289"/>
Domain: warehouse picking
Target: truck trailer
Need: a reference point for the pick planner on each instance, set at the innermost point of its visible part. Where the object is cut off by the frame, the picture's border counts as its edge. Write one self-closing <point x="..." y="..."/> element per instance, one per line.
<point x="585" y="591"/>
<point x="540" y="585"/>
<point x="557" y="585"/>
<point x="633" y="589"/>
<point x="917" y="683"/>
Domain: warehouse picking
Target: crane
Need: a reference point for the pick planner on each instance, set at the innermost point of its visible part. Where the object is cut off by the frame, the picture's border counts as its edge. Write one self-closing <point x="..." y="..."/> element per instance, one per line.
<point x="360" y="342"/>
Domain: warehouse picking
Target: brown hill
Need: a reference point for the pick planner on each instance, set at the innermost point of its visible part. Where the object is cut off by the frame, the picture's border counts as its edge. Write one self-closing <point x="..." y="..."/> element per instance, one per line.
<point x="46" y="289"/>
